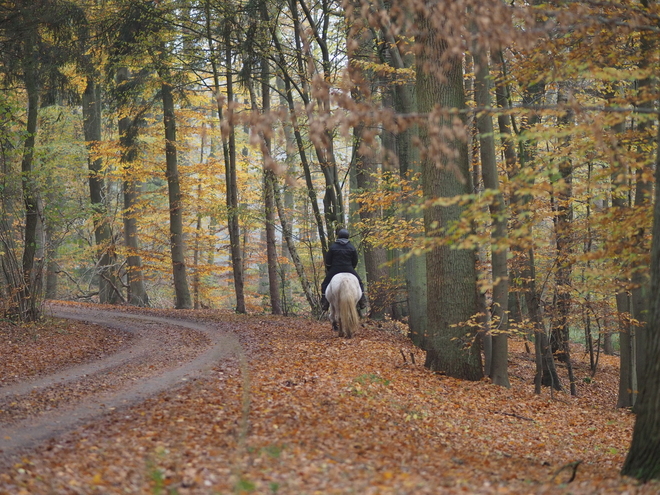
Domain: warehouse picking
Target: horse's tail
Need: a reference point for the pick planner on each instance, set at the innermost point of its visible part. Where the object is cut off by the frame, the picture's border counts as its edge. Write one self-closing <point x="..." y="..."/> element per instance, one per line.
<point x="348" y="314"/>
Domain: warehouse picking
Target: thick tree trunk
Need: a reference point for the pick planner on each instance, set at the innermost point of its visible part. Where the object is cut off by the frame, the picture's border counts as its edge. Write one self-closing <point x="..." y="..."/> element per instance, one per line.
<point x="450" y="273"/>
<point x="643" y="460"/>
<point x="641" y="282"/>
<point x="641" y="290"/>
<point x="177" y="242"/>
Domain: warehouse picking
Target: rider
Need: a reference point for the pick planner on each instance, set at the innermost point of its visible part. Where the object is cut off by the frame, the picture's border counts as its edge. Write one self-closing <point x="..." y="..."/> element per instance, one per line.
<point x="342" y="257"/>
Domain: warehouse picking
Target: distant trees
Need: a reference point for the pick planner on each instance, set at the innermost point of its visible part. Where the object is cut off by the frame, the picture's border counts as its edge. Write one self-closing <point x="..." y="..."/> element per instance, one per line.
<point x="500" y="154"/>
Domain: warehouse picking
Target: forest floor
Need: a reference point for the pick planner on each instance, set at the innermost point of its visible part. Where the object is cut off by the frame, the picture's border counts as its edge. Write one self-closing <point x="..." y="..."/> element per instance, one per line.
<point x="208" y="402"/>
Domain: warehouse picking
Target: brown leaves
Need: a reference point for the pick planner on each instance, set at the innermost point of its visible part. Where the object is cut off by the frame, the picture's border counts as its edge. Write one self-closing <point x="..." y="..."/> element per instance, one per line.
<point x="46" y="346"/>
<point x="333" y="416"/>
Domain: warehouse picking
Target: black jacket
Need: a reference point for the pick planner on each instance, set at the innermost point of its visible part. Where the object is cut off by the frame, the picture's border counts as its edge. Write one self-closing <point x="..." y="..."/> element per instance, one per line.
<point x="341" y="256"/>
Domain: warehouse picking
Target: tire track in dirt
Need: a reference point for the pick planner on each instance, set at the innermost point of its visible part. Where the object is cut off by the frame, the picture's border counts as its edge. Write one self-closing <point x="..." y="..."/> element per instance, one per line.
<point x="163" y="354"/>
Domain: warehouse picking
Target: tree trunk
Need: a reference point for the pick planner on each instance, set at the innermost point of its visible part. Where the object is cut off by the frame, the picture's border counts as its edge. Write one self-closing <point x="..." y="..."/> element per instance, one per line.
<point x="108" y="283"/>
<point x="627" y="369"/>
<point x="229" y="150"/>
<point x="641" y="289"/>
<point x="450" y="273"/>
<point x="128" y="133"/>
<point x="643" y="460"/>
<point x="288" y="237"/>
<point x="405" y="102"/>
<point x="499" y="310"/>
<point x="290" y="163"/>
<point x="546" y="372"/>
<point x="640" y="292"/>
<point x="269" y="201"/>
<point x="52" y="266"/>
<point x="29" y="293"/>
<point x="323" y="137"/>
<point x="564" y="251"/>
<point x="229" y="147"/>
<point x="363" y="163"/>
<point x="177" y="242"/>
<point x="374" y="257"/>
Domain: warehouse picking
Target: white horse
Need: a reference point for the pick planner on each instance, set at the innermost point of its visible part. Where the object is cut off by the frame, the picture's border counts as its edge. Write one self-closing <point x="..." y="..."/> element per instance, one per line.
<point x="343" y="293"/>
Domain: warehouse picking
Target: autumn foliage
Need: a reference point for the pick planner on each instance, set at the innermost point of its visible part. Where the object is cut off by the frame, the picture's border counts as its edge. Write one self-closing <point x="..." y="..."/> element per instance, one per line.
<point x="302" y="411"/>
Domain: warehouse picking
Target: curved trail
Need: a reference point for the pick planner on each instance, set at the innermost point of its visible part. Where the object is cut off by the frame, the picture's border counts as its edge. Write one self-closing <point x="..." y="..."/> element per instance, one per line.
<point x="163" y="353"/>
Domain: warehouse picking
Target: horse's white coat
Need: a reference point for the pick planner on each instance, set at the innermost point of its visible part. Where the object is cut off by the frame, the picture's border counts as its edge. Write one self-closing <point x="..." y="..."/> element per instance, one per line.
<point x="343" y="293"/>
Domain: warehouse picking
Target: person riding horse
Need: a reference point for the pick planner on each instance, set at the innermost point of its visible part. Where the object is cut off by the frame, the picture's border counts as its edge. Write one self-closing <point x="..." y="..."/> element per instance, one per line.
<point x="342" y="257"/>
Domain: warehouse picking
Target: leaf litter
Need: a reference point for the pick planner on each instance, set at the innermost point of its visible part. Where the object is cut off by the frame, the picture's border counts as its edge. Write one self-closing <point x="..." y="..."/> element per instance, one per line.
<point x="305" y="412"/>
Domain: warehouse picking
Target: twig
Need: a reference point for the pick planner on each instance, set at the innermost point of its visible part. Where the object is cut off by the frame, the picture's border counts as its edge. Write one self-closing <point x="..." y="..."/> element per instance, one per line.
<point x="571" y="465"/>
<point x="515" y="416"/>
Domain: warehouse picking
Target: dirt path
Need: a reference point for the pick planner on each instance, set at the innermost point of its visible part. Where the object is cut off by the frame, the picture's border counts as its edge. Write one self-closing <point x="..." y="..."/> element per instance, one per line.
<point x="163" y="353"/>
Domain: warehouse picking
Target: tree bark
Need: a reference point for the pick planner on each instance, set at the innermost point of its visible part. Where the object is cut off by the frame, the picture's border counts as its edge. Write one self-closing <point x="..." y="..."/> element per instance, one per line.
<point x="269" y="200"/>
<point x="405" y="102"/>
<point x="627" y="369"/>
<point x="107" y="277"/>
<point x="643" y="459"/>
<point x="499" y="250"/>
<point x="29" y="293"/>
<point x="128" y="133"/>
<point x="288" y="237"/>
<point x="564" y="249"/>
<point x="177" y="241"/>
<point x="450" y="273"/>
<point x="229" y="148"/>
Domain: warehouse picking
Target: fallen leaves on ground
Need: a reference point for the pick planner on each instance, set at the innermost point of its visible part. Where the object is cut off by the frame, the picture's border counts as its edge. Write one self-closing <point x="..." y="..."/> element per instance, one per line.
<point x="304" y="412"/>
<point x="50" y="345"/>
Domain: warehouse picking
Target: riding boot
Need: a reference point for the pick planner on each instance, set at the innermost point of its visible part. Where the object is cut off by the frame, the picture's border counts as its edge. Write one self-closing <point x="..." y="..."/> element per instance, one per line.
<point x="362" y="303"/>
<point x="325" y="305"/>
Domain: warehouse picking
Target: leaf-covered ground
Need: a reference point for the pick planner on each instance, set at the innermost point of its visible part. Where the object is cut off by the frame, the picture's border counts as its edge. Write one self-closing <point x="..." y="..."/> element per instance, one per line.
<point x="33" y="350"/>
<point x="304" y="412"/>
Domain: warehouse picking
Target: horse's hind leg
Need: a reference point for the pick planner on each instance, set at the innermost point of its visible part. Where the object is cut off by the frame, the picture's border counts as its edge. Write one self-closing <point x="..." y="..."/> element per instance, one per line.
<point x="340" y="329"/>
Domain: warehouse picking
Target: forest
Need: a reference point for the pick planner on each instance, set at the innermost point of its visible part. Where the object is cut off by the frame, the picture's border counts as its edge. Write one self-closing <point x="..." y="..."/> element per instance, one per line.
<point x="493" y="161"/>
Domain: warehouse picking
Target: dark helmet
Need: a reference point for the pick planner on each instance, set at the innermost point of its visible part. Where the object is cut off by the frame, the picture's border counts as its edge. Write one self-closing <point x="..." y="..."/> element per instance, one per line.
<point x="342" y="234"/>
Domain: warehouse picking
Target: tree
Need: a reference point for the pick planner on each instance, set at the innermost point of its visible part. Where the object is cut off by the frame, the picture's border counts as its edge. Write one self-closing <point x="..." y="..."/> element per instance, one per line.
<point x="32" y="51"/>
<point x="269" y="200"/>
<point x="643" y="459"/>
<point x="450" y="272"/>
<point x="128" y="137"/>
<point x="177" y="241"/>
<point x="109" y="292"/>
<point x="499" y="249"/>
